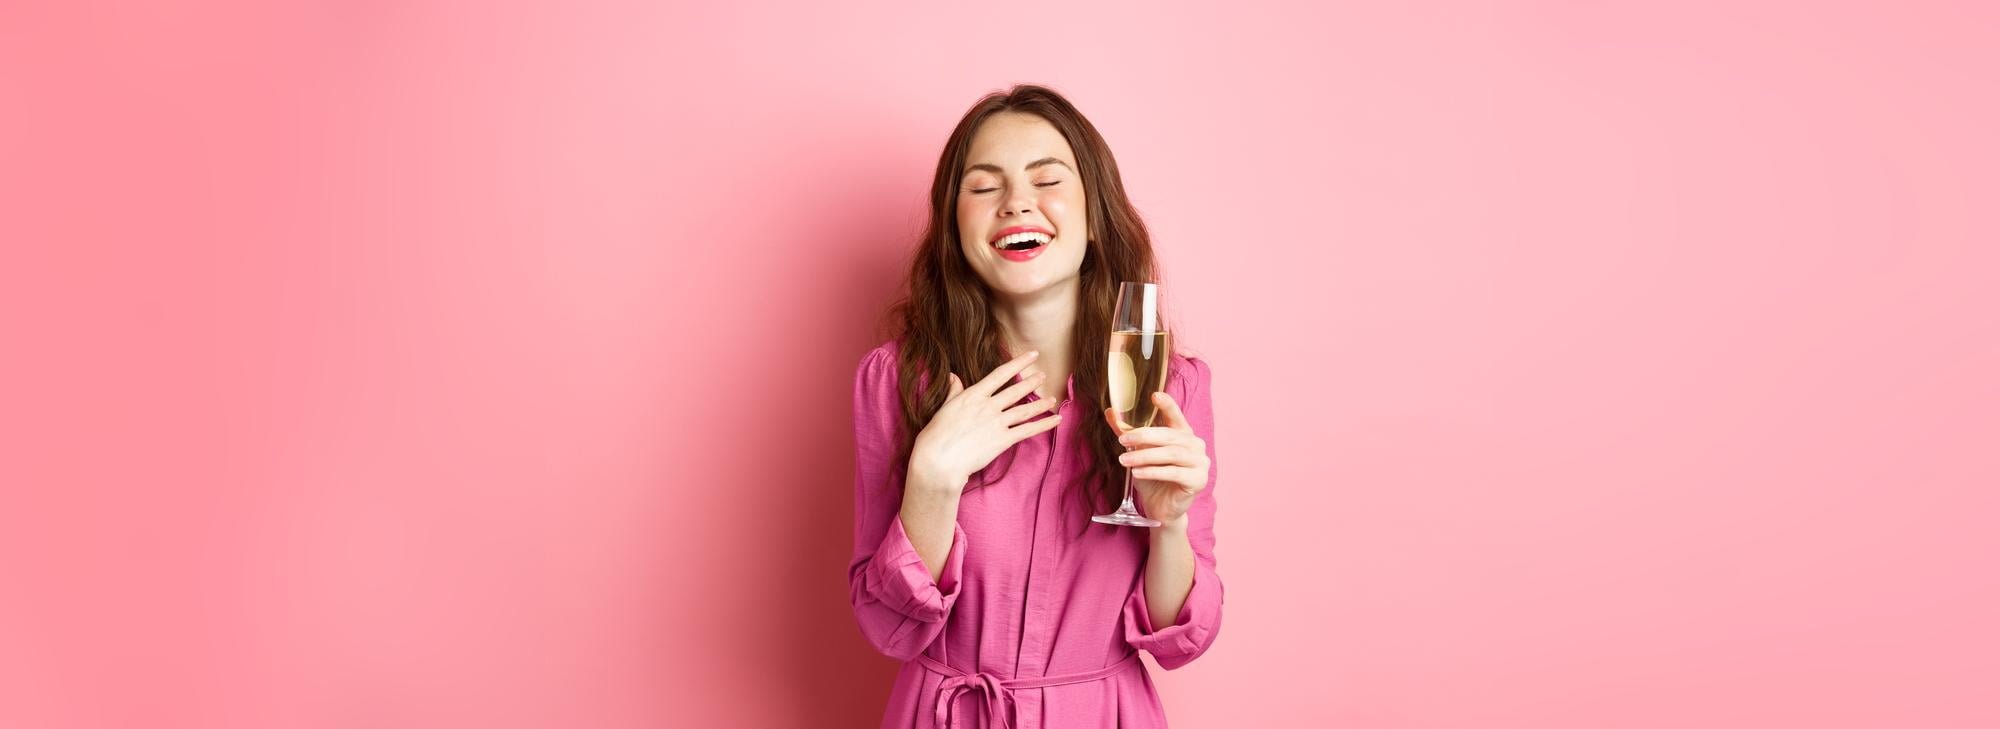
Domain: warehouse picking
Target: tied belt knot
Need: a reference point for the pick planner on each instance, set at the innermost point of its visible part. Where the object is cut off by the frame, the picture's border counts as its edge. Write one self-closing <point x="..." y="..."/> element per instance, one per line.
<point x="997" y="694"/>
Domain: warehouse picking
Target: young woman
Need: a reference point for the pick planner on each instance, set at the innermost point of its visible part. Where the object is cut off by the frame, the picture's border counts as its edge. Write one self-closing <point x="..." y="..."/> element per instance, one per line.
<point x="982" y="450"/>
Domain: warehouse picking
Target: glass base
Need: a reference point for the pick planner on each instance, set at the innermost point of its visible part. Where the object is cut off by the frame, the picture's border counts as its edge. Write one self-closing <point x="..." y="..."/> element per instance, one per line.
<point x="1125" y="517"/>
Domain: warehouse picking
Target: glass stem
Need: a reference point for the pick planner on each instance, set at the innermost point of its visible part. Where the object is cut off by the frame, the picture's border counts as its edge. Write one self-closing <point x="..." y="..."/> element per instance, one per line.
<point x="1127" y="506"/>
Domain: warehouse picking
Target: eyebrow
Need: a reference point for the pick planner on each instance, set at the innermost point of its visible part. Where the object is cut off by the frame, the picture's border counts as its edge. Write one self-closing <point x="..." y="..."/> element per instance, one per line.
<point x="995" y="169"/>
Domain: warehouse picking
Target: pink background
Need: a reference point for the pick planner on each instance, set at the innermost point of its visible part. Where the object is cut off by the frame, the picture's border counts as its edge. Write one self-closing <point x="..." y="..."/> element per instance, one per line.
<point x="414" y="364"/>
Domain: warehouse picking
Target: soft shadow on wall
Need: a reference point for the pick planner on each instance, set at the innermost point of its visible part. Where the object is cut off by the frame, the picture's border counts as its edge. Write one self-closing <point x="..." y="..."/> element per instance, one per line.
<point x="846" y="252"/>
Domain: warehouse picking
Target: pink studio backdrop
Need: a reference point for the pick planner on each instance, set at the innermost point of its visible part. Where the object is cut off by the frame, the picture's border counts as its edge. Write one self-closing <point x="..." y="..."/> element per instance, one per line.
<point x="421" y="364"/>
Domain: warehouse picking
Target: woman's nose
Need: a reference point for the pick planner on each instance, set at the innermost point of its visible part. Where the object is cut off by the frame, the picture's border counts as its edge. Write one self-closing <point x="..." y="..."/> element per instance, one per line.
<point x="1016" y="204"/>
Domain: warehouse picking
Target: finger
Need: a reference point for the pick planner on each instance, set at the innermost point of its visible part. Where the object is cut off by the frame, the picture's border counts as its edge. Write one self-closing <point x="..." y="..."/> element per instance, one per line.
<point x="1186" y="477"/>
<point x="1027" y="410"/>
<point x="1031" y="428"/>
<point x="1156" y="436"/>
<point x="1020" y="389"/>
<point x="1004" y="372"/>
<point x="1172" y="455"/>
<point x="1172" y="411"/>
<point x="956" y="386"/>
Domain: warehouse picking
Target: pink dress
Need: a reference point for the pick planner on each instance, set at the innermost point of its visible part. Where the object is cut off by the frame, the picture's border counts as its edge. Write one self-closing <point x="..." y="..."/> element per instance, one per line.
<point x="1029" y="625"/>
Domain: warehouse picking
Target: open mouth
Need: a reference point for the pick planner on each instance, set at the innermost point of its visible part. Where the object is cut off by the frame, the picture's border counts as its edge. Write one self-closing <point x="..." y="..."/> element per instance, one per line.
<point x="1023" y="241"/>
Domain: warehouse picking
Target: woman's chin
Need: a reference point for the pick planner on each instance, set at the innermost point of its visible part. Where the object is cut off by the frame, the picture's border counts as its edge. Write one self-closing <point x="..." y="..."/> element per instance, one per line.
<point x="1026" y="287"/>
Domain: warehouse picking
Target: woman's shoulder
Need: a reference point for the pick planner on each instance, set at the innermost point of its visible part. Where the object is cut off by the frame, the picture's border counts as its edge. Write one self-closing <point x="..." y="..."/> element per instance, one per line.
<point x="1187" y="372"/>
<point x="879" y="361"/>
<point x="885" y="351"/>
<point x="1188" y="362"/>
<point x="881" y="367"/>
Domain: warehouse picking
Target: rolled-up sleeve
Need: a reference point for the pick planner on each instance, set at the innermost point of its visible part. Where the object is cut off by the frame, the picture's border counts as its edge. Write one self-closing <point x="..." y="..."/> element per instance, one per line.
<point x="899" y="607"/>
<point x="1200" y="618"/>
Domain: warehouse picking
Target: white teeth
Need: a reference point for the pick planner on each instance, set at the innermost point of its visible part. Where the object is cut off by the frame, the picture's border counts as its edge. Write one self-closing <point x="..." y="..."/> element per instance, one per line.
<point x="1007" y="240"/>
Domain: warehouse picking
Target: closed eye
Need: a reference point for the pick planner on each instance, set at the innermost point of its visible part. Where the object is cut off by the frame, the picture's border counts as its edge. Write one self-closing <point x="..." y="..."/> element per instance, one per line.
<point x="984" y="189"/>
<point x="1051" y="183"/>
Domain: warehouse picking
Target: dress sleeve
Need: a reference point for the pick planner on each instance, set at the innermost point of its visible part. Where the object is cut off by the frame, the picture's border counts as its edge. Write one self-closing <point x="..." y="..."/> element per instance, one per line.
<point x="899" y="607"/>
<point x="1200" y="618"/>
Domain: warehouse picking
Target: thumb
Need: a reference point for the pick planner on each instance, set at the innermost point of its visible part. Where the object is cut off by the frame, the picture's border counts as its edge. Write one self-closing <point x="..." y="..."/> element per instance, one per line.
<point x="956" y="386"/>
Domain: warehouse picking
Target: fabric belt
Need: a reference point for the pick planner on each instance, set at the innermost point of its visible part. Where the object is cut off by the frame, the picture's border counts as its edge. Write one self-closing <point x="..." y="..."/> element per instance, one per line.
<point x="998" y="693"/>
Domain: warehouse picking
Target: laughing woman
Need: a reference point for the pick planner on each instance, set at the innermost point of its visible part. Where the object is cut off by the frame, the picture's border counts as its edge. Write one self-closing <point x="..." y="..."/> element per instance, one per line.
<point x="975" y="560"/>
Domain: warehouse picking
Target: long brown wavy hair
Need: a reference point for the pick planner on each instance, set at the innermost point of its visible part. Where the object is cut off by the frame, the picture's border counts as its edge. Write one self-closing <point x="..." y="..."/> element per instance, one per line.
<point x="945" y="319"/>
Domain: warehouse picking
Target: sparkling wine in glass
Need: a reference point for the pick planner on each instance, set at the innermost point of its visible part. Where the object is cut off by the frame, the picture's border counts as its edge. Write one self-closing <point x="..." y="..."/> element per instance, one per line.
<point x="1138" y="364"/>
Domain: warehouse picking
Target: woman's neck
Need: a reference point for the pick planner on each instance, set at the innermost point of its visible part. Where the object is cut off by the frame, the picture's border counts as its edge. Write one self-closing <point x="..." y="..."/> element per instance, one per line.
<point x="1045" y="323"/>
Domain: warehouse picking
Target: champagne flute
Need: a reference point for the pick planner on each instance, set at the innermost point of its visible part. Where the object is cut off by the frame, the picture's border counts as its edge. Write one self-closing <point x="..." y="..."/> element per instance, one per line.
<point x="1138" y="365"/>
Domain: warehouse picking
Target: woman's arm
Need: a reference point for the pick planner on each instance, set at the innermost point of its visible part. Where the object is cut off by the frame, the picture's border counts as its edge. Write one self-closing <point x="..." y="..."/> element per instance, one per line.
<point x="900" y="596"/>
<point x="1176" y="610"/>
<point x="909" y="550"/>
<point x="1169" y="571"/>
<point x="974" y="425"/>
<point x="930" y="515"/>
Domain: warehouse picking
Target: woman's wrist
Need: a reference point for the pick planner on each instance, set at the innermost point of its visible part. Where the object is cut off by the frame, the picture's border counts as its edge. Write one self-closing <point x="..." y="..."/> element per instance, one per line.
<point x="1175" y="528"/>
<point x="929" y="479"/>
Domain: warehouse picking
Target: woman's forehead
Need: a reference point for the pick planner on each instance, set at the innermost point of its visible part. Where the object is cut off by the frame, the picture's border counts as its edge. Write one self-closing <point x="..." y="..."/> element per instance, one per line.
<point x="1012" y="141"/>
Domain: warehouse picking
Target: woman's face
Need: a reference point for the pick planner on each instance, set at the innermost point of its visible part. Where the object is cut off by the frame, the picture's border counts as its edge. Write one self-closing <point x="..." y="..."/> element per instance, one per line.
<point x="1021" y="187"/>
